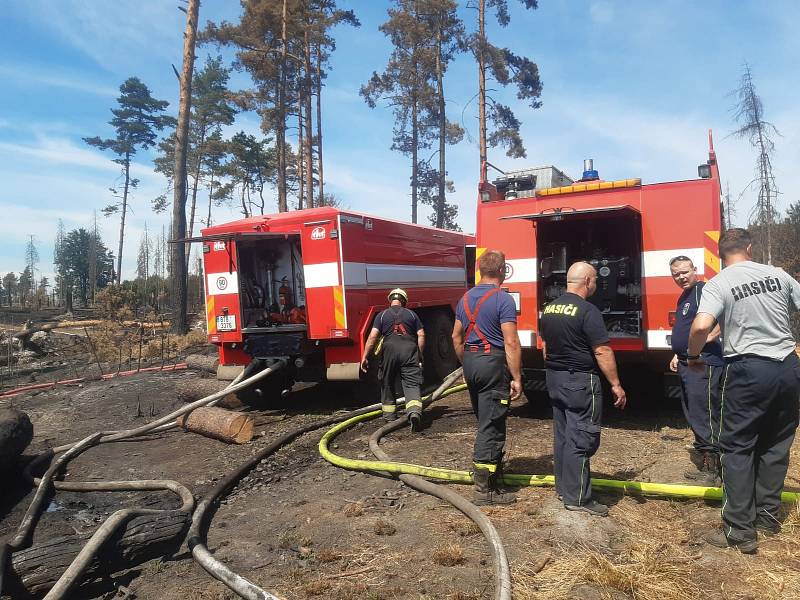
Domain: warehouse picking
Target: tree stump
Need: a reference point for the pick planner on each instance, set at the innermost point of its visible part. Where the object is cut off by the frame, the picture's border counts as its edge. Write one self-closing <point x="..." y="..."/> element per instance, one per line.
<point x="16" y="432"/>
<point x="200" y="362"/>
<point x="192" y="390"/>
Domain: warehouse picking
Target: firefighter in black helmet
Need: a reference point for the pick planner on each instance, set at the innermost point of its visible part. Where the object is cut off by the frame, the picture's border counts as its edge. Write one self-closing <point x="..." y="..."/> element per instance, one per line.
<point x="401" y="346"/>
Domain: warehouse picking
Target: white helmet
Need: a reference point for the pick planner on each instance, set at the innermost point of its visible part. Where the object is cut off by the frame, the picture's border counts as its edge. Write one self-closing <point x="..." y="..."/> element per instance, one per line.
<point x="398" y="294"/>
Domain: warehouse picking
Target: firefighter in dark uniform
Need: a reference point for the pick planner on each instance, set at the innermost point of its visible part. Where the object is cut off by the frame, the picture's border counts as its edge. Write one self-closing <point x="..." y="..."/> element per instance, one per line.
<point x="401" y="347"/>
<point x="576" y="345"/>
<point x="486" y="342"/>
<point x="699" y="388"/>
<point x="760" y="387"/>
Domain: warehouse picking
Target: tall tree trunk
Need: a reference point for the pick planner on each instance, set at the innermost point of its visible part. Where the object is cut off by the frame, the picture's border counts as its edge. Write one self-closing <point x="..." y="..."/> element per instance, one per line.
<point x="300" y="150"/>
<point x="179" y="283"/>
<point x="210" y="198"/>
<point x="482" y="86"/>
<point x="440" y="201"/>
<point x="321" y="192"/>
<point x="414" y="159"/>
<point x="93" y="257"/>
<point x="122" y="217"/>
<point x="309" y="137"/>
<point x="280" y="134"/>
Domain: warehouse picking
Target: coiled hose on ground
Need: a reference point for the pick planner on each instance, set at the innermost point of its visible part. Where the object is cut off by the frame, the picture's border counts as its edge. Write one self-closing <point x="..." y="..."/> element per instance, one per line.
<point x="46" y="484"/>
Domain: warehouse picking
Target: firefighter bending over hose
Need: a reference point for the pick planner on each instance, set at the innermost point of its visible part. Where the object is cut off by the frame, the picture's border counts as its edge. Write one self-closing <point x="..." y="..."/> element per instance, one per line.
<point x="575" y="347"/>
<point x="401" y="347"/>
<point x="486" y="342"/>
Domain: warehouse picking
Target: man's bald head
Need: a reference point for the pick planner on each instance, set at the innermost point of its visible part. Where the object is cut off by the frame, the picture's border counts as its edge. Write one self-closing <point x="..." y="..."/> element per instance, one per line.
<point x="582" y="279"/>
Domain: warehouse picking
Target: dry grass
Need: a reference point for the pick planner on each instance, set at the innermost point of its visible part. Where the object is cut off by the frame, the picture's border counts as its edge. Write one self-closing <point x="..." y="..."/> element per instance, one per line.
<point x="460" y="525"/>
<point x="449" y="555"/>
<point x="384" y="527"/>
<point x="643" y="571"/>
<point x="328" y="555"/>
<point x="317" y="587"/>
<point x="353" y="509"/>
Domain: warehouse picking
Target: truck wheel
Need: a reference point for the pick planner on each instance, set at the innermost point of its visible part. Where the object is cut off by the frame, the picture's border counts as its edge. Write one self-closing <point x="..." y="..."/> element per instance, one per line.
<point x="440" y="356"/>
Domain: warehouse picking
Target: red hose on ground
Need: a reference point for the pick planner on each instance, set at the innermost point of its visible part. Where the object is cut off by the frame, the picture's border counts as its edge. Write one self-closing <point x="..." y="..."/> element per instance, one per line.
<point x="41" y="386"/>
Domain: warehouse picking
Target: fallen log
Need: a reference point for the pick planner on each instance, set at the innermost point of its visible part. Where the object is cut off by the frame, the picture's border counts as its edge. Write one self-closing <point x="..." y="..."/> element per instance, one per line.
<point x="192" y="390"/>
<point x="218" y="423"/>
<point x="35" y="570"/>
<point x="200" y="362"/>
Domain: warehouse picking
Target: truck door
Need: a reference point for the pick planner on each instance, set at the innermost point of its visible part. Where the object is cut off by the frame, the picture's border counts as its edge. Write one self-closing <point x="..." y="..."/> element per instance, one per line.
<point x="323" y="279"/>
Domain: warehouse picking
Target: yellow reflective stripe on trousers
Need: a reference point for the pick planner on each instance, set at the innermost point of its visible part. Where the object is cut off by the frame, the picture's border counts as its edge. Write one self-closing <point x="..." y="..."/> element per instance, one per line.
<point x="488" y="466"/>
<point x="388" y="408"/>
<point x="721" y="454"/>
<point x="583" y="464"/>
<point x="413" y="404"/>
<point x="505" y="401"/>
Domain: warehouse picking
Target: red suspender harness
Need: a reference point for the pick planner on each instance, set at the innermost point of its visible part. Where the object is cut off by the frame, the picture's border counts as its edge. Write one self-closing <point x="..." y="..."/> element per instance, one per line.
<point x="473" y="316"/>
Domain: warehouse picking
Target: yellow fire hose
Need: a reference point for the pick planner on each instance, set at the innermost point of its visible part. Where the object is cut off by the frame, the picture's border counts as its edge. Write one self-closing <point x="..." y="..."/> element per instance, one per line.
<point x="638" y="488"/>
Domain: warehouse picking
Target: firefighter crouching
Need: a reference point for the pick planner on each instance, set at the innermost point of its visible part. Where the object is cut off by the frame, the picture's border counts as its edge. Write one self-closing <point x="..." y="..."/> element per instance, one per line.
<point x="400" y="347"/>
<point x="761" y="384"/>
<point x="575" y="345"/>
<point x="486" y="341"/>
<point x="699" y="388"/>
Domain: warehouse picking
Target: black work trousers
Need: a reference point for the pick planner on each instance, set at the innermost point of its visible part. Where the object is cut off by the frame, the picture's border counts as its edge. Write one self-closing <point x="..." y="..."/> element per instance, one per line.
<point x="489" y="384"/>
<point x="759" y="418"/>
<point x="700" y="392"/>
<point x="577" y="400"/>
<point x="399" y="359"/>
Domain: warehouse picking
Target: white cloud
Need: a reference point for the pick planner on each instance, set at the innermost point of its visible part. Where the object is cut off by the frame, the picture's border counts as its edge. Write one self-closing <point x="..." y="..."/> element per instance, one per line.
<point x="38" y="78"/>
<point x="601" y="12"/>
<point x="114" y="34"/>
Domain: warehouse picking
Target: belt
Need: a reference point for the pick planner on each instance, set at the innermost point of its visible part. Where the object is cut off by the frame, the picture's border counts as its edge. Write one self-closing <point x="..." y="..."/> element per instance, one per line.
<point x="472" y="348"/>
<point x="738" y="357"/>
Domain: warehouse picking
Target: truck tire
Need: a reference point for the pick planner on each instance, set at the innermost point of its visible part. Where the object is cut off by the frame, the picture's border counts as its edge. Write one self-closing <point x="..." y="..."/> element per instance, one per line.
<point x="440" y="356"/>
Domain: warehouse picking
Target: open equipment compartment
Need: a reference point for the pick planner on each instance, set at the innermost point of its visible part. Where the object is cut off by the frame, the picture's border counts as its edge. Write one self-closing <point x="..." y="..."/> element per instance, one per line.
<point x="271" y="275"/>
<point x="610" y="239"/>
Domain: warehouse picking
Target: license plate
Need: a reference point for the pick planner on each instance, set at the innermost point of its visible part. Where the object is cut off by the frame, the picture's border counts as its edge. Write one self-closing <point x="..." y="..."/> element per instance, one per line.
<point x="226" y="323"/>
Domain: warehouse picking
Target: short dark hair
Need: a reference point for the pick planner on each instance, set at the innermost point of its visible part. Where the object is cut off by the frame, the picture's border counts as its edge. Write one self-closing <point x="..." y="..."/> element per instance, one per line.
<point x="492" y="263"/>
<point x="733" y="241"/>
<point x="681" y="258"/>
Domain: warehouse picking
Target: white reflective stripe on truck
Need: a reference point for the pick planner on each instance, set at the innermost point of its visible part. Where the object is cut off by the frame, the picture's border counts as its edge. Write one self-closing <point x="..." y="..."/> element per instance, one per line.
<point x="520" y="270"/>
<point x="222" y="283"/>
<point x="657" y="339"/>
<point x="321" y="275"/>
<point x="655" y="263"/>
<point x="526" y="337"/>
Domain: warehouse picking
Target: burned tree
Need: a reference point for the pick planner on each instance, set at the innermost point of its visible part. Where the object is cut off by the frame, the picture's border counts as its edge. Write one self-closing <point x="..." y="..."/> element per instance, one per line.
<point x="749" y="114"/>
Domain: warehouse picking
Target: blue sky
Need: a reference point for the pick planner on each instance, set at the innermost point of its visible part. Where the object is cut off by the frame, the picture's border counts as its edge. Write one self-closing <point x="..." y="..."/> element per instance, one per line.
<point x="634" y="85"/>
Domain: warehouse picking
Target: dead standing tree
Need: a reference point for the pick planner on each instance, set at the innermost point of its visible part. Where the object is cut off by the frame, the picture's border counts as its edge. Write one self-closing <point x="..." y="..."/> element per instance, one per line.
<point x="178" y="262"/>
<point x="749" y="114"/>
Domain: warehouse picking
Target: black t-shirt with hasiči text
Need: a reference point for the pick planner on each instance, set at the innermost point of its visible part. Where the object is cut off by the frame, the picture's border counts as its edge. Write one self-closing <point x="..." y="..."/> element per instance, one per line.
<point x="571" y="327"/>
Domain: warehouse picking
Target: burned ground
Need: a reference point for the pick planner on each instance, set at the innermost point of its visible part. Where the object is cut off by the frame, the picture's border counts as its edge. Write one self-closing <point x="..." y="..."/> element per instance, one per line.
<point x="303" y="528"/>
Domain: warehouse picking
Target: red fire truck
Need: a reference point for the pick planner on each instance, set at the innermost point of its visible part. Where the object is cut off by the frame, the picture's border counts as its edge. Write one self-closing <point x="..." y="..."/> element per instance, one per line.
<point x="306" y="285"/>
<point x="544" y="221"/>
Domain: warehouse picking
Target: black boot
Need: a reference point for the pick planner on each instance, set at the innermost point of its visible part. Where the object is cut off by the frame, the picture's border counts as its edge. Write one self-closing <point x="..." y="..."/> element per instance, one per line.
<point x="501" y="486"/>
<point x="486" y="491"/>
<point x="707" y="472"/>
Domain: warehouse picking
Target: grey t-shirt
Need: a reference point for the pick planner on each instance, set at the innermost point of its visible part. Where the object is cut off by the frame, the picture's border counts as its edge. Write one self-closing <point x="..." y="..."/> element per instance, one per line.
<point x="751" y="302"/>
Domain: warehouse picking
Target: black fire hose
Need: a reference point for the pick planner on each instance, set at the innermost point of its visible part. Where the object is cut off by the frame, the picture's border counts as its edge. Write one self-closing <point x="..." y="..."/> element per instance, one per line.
<point x="201" y="519"/>
<point x="502" y="573"/>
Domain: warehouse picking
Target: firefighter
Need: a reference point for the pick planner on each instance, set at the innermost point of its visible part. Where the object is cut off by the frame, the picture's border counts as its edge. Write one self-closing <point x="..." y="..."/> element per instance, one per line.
<point x="761" y="384"/>
<point x="575" y="347"/>
<point x="401" y="348"/>
<point x="699" y="389"/>
<point x="486" y="342"/>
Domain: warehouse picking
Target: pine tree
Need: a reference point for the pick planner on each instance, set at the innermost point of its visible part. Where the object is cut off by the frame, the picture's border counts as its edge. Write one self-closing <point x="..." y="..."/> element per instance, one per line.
<point x="506" y="68"/>
<point x="136" y="122"/>
<point x="406" y="84"/>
